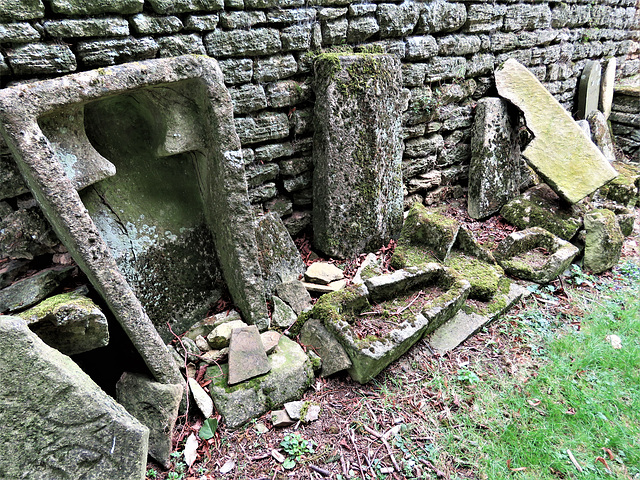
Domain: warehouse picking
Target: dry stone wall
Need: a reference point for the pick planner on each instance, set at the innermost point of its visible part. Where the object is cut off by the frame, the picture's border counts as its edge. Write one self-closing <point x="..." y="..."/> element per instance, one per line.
<point x="266" y="48"/>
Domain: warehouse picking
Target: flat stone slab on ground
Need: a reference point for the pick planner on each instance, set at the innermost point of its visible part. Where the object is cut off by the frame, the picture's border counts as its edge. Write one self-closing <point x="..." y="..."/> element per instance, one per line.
<point x="295" y="295"/>
<point x="323" y="273"/>
<point x="247" y="357"/>
<point x="334" y="358"/>
<point x="29" y="291"/>
<point x="56" y="422"/>
<point x="560" y="152"/>
<point x="290" y="375"/>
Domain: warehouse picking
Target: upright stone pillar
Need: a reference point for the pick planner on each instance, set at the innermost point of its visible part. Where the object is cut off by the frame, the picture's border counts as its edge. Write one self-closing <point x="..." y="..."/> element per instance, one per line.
<point x="357" y="182"/>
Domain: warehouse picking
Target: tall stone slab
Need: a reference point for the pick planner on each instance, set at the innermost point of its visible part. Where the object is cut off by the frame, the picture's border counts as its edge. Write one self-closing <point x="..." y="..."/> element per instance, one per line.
<point x="357" y="182"/>
<point x="606" y="87"/>
<point x="494" y="172"/>
<point x="56" y="422"/>
<point x="560" y="152"/>
<point x="589" y="88"/>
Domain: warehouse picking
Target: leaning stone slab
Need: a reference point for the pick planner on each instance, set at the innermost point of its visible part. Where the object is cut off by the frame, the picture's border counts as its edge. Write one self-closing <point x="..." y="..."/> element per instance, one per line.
<point x="601" y="134"/>
<point x="376" y="334"/>
<point x="56" y="422"/>
<point x="541" y="207"/>
<point x="535" y="254"/>
<point x="154" y="405"/>
<point x="220" y="186"/>
<point x="283" y="315"/>
<point x="69" y="322"/>
<point x="295" y="295"/>
<point x="290" y="375"/>
<point x="607" y="83"/>
<point x="560" y="153"/>
<point x="494" y="172"/>
<point x="334" y="358"/>
<point x="589" y="88"/>
<point x="278" y="256"/>
<point x="357" y="180"/>
<point x="29" y="291"/>
<point x="247" y="356"/>
<point x="603" y="242"/>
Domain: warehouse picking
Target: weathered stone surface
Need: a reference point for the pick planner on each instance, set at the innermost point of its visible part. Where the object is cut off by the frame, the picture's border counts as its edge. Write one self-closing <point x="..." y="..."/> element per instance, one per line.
<point x="328" y="288"/>
<point x="361" y="28"/>
<point x="602" y="134"/>
<point x="112" y="51"/>
<point x="150" y="24"/>
<point x="296" y="37"/>
<point x="397" y="20"/>
<point x="18" y="33"/>
<point x="11" y="10"/>
<point x="233" y="20"/>
<point x="41" y="58"/>
<point x="280" y="418"/>
<point x="176" y="45"/>
<point x="248" y="98"/>
<point x="219" y="186"/>
<point x="270" y="340"/>
<point x="155" y="405"/>
<point x="89" y="27"/>
<point x="441" y="16"/>
<point x="61" y="418"/>
<point x="527" y="17"/>
<point x="236" y="70"/>
<point x="87" y="7"/>
<point x="201" y="23"/>
<point x="29" y="291"/>
<point x="560" y="153"/>
<point x="304" y="411"/>
<point x="541" y="207"/>
<point x="603" y="242"/>
<point x="625" y="216"/>
<point x="283" y="315"/>
<point x="518" y="254"/>
<point x="494" y="173"/>
<point x="287" y="93"/>
<point x="295" y="295"/>
<point x="606" y="87"/>
<point x="334" y="32"/>
<point x="444" y="68"/>
<point x="206" y="326"/>
<point x="589" y="89"/>
<point x="182" y="6"/>
<point x="290" y="375"/>
<point x="426" y="229"/>
<point x="261" y="127"/>
<point x="459" y="44"/>
<point x="247" y="357"/>
<point x="485" y="278"/>
<point x="220" y="336"/>
<point x="11" y="182"/>
<point x="485" y="17"/>
<point x="357" y="182"/>
<point x="202" y="398"/>
<point x="70" y="323"/>
<point x="323" y="273"/>
<point x="25" y="233"/>
<point x="274" y="68"/>
<point x="236" y="43"/>
<point x="334" y="358"/>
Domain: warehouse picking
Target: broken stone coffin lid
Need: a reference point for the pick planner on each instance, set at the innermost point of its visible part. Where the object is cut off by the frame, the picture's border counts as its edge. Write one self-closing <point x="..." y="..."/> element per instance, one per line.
<point x="560" y="152"/>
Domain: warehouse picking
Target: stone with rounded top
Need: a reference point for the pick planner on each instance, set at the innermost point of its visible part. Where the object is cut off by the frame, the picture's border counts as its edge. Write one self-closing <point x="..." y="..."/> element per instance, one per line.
<point x="589" y="88"/>
<point x="606" y="87"/>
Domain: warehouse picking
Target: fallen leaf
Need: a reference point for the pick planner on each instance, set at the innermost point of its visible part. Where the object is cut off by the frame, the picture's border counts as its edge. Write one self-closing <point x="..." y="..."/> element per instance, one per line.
<point x="609" y="452"/>
<point x="228" y="466"/>
<point x="534" y="402"/>
<point x="516" y="469"/>
<point x="604" y="462"/>
<point x="191" y="450"/>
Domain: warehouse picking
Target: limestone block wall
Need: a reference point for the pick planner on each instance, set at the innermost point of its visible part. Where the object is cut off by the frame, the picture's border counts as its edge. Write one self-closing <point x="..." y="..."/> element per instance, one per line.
<point x="448" y="51"/>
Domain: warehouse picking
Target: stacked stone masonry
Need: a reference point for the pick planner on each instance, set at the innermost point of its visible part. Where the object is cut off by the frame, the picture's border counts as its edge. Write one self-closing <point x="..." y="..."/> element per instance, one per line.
<point x="266" y="48"/>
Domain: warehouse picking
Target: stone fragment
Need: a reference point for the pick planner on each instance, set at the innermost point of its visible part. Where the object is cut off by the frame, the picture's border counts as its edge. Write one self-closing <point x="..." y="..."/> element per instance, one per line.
<point x="238" y="43"/>
<point x="202" y="343"/>
<point x="606" y="87"/>
<point x="334" y="358"/>
<point x="589" y="89"/>
<point x="485" y="278"/>
<point x="541" y="207"/>
<point x="270" y="340"/>
<point x="535" y="254"/>
<point x="290" y="375"/>
<point x="427" y="229"/>
<point x="214" y="356"/>
<point x="70" y="323"/>
<point x="220" y="336"/>
<point x="283" y="315"/>
<point x="323" y="273"/>
<point x="118" y="50"/>
<point x="278" y="256"/>
<point x="304" y="411"/>
<point x="279" y="418"/>
<point x="494" y="173"/>
<point x="247" y="357"/>
<point x="41" y="58"/>
<point x="560" y="153"/>
<point x="155" y="405"/>
<point x="357" y="182"/>
<point x="29" y="291"/>
<point x="602" y="134"/>
<point x="295" y="295"/>
<point x="206" y="326"/>
<point x="182" y="6"/>
<point x="202" y="398"/>
<point x="330" y="287"/>
<point x="603" y="242"/>
<point x="61" y="417"/>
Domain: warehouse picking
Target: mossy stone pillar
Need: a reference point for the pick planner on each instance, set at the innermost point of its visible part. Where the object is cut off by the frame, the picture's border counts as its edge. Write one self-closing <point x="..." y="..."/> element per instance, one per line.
<point x="357" y="182"/>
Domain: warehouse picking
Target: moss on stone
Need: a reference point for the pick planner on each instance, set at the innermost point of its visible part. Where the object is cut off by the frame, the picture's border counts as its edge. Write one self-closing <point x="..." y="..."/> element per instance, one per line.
<point x="50" y="305"/>
<point x="483" y="277"/>
<point x="525" y="213"/>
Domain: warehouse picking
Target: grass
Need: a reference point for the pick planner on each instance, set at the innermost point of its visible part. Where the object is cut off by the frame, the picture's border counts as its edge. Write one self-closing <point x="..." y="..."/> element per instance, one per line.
<point x="580" y="395"/>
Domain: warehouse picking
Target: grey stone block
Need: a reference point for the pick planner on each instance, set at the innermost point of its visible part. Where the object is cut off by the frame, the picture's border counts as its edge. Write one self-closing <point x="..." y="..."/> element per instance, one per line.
<point x="441" y="16"/>
<point x="362" y="28"/>
<point x="176" y="45"/>
<point x="293" y="15"/>
<point x="89" y="7"/>
<point x="397" y="20"/>
<point x="248" y="98"/>
<point x="262" y="127"/>
<point x="420" y="48"/>
<point x="484" y="17"/>
<point x="201" y="23"/>
<point x="236" y="70"/>
<point x="259" y="174"/>
<point x="41" y="58"/>
<point x="233" y="20"/>
<point x="527" y="17"/>
<point x="110" y="52"/>
<point x="296" y="37"/>
<point x="444" y="68"/>
<point x="334" y="32"/>
<point x="16" y="10"/>
<point x="183" y="6"/>
<point x="459" y="44"/>
<point x="287" y="93"/>
<point x="149" y="24"/>
<point x="90" y="27"/>
<point x="274" y="68"/>
<point x="18" y="33"/>
<point x="236" y="43"/>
